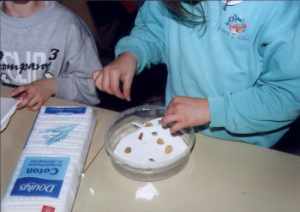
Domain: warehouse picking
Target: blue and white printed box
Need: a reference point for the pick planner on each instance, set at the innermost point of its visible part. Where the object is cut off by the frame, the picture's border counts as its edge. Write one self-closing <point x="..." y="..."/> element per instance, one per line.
<point x="48" y="172"/>
<point x="62" y="126"/>
<point x="41" y="176"/>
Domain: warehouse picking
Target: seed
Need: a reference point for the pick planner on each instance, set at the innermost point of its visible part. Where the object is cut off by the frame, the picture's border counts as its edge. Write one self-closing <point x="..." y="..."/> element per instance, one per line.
<point x="168" y="149"/>
<point x="141" y="136"/>
<point x="127" y="150"/>
<point x="148" y="124"/>
<point x="160" y="141"/>
<point x="154" y="133"/>
<point x="151" y="159"/>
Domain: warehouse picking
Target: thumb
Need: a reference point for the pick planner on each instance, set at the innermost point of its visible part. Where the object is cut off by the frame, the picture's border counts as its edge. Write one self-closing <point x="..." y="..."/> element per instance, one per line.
<point x="95" y="75"/>
<point x="127" y="83"/>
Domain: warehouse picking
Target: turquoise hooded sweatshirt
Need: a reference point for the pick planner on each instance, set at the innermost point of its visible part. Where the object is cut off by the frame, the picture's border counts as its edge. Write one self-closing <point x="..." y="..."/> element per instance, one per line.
<point x="245" y="60"/>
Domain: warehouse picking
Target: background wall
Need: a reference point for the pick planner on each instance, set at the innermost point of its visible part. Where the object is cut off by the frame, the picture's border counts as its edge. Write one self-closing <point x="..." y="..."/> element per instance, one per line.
<point x="80" y="7"/>
<point x="110" y="21"/>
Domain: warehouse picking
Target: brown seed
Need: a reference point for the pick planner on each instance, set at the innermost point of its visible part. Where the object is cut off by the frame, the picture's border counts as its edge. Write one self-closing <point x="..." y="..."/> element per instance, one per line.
<point x="168" y="149"/>
<point x="148" y="124"/>
<point x="141" y="136"/>
<point x="127" y="150"/>
<point x="154" y="133"/>
<point x="160" y="141"/>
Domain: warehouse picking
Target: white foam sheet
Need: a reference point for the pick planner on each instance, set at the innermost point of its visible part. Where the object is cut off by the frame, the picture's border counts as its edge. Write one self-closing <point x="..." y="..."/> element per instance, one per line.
<point x="146" y="153"/>
<point x="61" y="134"/>
<point x="7" y="108"/>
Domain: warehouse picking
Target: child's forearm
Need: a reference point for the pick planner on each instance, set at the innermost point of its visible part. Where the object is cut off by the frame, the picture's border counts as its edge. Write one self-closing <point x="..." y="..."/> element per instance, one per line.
<point x="48" y="84"/>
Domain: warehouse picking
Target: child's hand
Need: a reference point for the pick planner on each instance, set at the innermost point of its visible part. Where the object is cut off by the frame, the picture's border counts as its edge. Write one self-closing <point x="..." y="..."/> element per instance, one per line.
<point x="116" y="78"/>
<point x="184" y="112"/>
<point x="35" y="94"/>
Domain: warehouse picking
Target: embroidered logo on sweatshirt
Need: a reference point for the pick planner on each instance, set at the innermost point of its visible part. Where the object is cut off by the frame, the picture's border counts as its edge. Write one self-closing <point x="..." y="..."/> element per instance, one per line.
<point x="236" y="24"/>
<point x="232" y="2"/>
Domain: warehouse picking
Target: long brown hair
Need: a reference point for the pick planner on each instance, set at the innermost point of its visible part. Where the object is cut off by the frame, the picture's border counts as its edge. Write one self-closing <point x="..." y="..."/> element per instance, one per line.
<point x="182" y="14"/>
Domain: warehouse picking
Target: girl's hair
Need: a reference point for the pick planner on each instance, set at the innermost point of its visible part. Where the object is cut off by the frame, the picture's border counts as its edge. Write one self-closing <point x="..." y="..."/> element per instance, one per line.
<point x="183" y="15"/>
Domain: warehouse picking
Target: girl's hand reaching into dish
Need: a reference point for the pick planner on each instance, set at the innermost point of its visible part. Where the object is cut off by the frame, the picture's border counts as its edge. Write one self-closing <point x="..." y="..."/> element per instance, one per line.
<point x="116" y="78"/>
<point x="185" y="112"/>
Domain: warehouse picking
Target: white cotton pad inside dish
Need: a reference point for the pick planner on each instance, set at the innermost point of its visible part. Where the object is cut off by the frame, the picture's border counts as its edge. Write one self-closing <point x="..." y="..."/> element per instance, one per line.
<point x="8" y="107"/>
<point x="151" y="146"/>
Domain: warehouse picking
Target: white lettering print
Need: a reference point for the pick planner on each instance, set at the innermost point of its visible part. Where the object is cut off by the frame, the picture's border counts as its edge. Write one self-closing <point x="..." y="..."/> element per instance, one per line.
<point x="35" y="187"/>
<point x="21" y="69"/>
<point x="38" y="57"/>
<point x="40" y="171"/>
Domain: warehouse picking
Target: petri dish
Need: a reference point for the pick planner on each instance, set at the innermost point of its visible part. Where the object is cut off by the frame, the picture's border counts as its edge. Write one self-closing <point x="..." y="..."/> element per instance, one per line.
<point x="129" y="123"/>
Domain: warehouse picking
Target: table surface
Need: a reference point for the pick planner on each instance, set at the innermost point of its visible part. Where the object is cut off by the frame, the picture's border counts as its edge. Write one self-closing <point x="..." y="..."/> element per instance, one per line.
<point x="220" y="176"/>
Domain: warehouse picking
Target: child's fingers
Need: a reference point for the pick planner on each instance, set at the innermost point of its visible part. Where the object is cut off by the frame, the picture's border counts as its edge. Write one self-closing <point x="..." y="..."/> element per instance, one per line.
<point x="115" y="85"/>
<point x="95" y="75"/>
<point x="23" y="102"/>
<point x="127" y="82"/>
<point x="170" y="109"/>
<point x="106" y="82"/>
<point x="21" y="98"/>
<point x="169" y="119"/>
<point x="97" y="78"/>
<point x="17" y="91"/>
<point x="35" y="100"/>
<point x="36" y="106"/>
<point x="177" y="127"/>
<point x="25" y="98"/>
<point x="98" y="81"/>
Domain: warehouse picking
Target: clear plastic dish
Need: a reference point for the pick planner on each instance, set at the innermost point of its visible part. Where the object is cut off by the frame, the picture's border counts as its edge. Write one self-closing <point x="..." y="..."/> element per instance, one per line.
<point x="125" y="124"/>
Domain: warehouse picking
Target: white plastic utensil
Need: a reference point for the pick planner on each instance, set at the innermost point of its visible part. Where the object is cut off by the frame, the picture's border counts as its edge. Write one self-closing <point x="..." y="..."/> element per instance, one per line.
<point x="138" y="125"/>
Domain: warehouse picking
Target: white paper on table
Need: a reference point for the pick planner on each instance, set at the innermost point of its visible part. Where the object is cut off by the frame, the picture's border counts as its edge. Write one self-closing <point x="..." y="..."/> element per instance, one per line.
<point x="146" y="192"/>
<point x="147" y="148"/>
<point x="8" y="107"/>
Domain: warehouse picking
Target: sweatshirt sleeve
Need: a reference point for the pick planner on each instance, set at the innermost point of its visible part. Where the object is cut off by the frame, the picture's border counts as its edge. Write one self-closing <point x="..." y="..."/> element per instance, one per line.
<point x="146" y="40"/>
<point x="81" y="60"/>
<point x="274" y="101"/>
